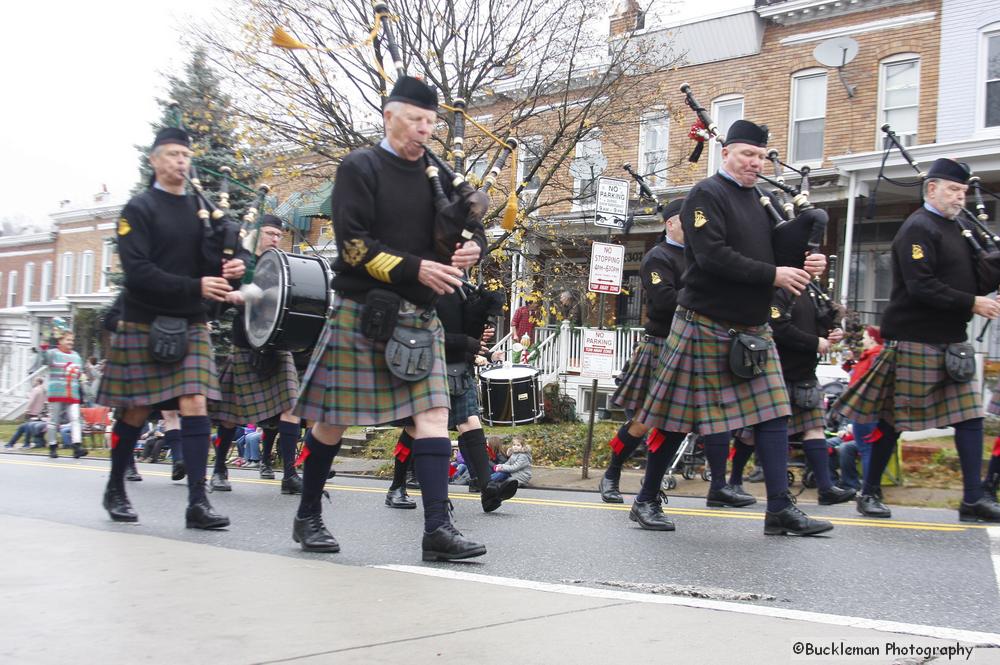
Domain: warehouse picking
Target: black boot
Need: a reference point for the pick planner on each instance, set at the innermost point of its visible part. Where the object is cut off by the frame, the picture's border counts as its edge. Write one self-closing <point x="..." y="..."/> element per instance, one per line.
<point x="178" y="471"/>
<point x="446" y="543"/>
<point x="649" y="515"/>
<point x="398" y="498"/>
<point x="792" y="521"/>
<point x="984" y="510"/>
<point x="743" y="494"/>
<point x="79" y="451"/>
<point x="610" y="493"/>
<point x="53" y="451"/>
<point x="201" y="515"/>
<point x="266" y="472"/>
<point x="117" y="504"/>
<point x="132" y="474"/>
<point x="496" y="492"/>
<point x="291" y="484"/>
<point x="220" y="482"/>
<point x="312" y="535"/>
<point x="835" y="495"/>
<point x="411" y="479"/>
<point x="870" y="505"/>
<point x="727" y="496"/>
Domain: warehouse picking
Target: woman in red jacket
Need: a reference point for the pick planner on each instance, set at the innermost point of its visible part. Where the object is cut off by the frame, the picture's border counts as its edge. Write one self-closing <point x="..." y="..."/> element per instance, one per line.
<point x="871" y="346"/>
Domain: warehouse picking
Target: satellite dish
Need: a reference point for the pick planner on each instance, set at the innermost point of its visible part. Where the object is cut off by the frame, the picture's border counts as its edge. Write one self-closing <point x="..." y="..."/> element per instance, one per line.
<point x="836" y="52"/>
<point x="588" y="166"/>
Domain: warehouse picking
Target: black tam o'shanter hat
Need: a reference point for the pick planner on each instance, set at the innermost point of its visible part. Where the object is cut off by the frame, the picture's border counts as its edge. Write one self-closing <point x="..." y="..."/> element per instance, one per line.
<point x="949" y="169"/>
<point x="172" y="135"/>
<point x="271" y="220"/>
<point x="411" y="90"/>
<point x="744" y="131"/>
<point x="672" y="208"/>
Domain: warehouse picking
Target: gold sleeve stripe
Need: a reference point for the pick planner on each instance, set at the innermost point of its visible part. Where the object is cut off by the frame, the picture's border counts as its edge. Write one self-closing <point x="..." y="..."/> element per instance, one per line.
<point x="380" y="266"/>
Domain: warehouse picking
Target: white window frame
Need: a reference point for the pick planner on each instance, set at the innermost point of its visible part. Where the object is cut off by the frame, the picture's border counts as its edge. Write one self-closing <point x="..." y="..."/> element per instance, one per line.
<point x="908" y="138"/>
<point x="522" y="155"/>
<point x="11" y="288"/>
<point x="86" y="283"/>
<point x="594" y="135"/>
<point x="45" y="290"/>
<point x="66" y="276"/>
<point x="656" y="181"/>
<point x="29" y="282"/>
<point x="813" y="72"/>
<point x="105" y="265"/>
<point x="715" y="160"/>
<point x="985" y="34"/>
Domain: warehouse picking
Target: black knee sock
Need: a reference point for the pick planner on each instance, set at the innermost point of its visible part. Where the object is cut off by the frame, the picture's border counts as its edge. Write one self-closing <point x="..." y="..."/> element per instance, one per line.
<point x="657" y="462"/>
<point x="315" y="469"/>
<point x="969" y="443"/>
<point x="267" y="437"/>
<point x="716" y="456"/>
<point x="882" y="449"/>
<point x="771" y="438"/>
<point x="222" y="444"/>
<point x="288" y="438"/>
<point x="741" y="455"/>
<point x="818" y="456"/>
<point x="993" y="472"/>
<point x="473" y="447"/>
<point x="123" y="438"/>
<point x="622" y="446"/>
<point x="196" y="433"/>
<point x="431" y="457"/>
<point x="402" y="456"/>
<point x="172" y="440"/>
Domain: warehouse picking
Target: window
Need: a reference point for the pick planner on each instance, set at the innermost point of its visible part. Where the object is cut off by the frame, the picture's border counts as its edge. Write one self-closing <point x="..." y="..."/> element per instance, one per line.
<point x="725" y="110"/>
<point x="654" y="130"/>
<point x="870" y="282"/>
<point x="105" y="265"/>
<point x="990" y="75"/>
<point x="67" y="274"/>
<point x="29" y="281"/>
<point x="808" y="116"/>
<point x="587" y="167"/>
<point x="86" y="273"/>
<point x="476" y="168"/>
<point x="898" y="98"/>
<point x="12" y="288"/>
<point x="528" y="156"/>
<point x="45" y="292"/>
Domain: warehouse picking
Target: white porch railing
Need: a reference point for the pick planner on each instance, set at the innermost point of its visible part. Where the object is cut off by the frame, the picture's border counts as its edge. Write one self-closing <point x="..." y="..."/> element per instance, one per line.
<point x="14" y="400"/>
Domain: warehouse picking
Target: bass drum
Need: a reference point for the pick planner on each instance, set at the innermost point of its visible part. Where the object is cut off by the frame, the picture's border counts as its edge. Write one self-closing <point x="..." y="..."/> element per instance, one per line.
<point x="294" y="301"/>
<point x="511" y="395"/>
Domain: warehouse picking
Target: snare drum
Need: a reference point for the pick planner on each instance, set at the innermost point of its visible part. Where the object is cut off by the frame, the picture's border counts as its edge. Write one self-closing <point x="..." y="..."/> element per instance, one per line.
<point x="511" y="395"/>
<point x="293" y="308"/>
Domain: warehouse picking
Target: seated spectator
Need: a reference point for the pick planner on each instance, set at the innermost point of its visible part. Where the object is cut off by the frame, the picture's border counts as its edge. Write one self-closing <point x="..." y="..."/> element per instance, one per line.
<point x="518" y="466"/>
<point x="248" y="447"/>
<point x="33" y="432"/>
<point x="36" y="400"/>
<point x="461" y="475"/>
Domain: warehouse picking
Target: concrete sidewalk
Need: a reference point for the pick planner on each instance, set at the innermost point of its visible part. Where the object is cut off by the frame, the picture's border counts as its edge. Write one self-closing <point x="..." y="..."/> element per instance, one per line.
<point x="70" y="594"/>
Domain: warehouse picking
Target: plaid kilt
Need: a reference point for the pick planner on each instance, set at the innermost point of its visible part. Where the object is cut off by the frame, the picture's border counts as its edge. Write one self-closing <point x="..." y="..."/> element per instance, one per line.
<point x="908" y="388"/>
<point x="695" y="391"/>
<point x="249" y="398"/>
<point x="133" y="378"/>
<point x="635" y="384"/>
<point x="803" y="420"/>
<point x="349" y="383"/>
<point x="464" y="406"/>
<point x="993" y="407"/>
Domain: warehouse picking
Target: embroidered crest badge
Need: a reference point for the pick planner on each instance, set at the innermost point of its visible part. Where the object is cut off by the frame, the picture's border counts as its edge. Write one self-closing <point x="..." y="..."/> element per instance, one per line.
<point x="354" y="251"/>
<point x="123" y="227"/>
<point x="917" y="252"/>
<point x="655" y="277"/>
<point x="699" y="219"/>
<point x="775" y="313"/>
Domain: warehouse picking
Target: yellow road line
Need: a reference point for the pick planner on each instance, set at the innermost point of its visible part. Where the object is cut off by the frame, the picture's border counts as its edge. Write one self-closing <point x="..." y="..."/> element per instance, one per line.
<point x="556" y="503"/>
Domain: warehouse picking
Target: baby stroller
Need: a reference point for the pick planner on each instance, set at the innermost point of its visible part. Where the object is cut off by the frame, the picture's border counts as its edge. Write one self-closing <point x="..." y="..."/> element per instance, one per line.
<point x="832" y="422"/>
<point x="689" y="457"/>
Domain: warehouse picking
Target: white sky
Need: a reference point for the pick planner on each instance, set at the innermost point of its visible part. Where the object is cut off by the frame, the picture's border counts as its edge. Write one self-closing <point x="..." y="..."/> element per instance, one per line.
<point x="80" y="80"/>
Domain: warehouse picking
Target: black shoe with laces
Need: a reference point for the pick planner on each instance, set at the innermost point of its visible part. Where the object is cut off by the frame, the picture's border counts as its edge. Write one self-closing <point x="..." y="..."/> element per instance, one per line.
<point x="835" y="495"/>
<point x="792" y="521"/>
<point x="220" y="482"/>
<point x="201" y="515"/>
<point x="870" y="505"/>
<point x="312" y="536"/>
<point x="743" y="494"/>
<point x="291" y="484"/>
<point x="118" y="506"/>
<point x="266" y="472"/>
<point x="79" y="451"/>
<point x="984" y="510"/>
<point x="446" y="543"/>
<point x="726" y="496"/>
<point x="649" y="515"/>
<point x="610" y="492"/>
<point x="398" y="498"/>
<point x="178" y="471"/>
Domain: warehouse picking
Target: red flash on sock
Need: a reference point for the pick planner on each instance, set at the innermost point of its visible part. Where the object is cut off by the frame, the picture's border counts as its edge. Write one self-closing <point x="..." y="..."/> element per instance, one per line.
<point x="616" y="445"/>
<point x="655" y="440"/>
<point x="996" y="446"/>
<point x="215" y="441"/>
<point x="401" y="452"/>
<point x="114" y="440"/>
<point x="874" y="436"/>
<point x="300" y="460"/>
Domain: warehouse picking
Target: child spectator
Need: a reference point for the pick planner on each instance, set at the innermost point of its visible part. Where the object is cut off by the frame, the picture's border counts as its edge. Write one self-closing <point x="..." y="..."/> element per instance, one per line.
<point x="518" y="466"/>
<point x="65" y="371"/>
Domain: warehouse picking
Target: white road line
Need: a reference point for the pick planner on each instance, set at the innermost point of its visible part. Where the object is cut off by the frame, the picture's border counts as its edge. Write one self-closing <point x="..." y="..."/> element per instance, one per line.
<point x="994" y="533"/>
<point x="938" y="632"/>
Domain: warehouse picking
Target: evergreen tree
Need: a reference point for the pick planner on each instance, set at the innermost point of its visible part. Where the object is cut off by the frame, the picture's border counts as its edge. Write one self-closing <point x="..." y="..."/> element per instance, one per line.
<point x="204" y="109"/>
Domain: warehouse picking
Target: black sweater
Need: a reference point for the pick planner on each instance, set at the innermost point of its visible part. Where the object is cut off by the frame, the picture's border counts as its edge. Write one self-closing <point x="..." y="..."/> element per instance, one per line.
<point x="797" y="330"/>
<point x="383" y="218"/>
<point x="459" y="344"/>
<point x="164" y="253"/>
<point x="730" y="261"/>
<point x="934" y="282"/>
<point x="661" y="271"/>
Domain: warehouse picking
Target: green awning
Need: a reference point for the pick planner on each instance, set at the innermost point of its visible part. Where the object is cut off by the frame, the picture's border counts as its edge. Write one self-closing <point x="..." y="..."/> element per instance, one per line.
<point x="315" y="203"/>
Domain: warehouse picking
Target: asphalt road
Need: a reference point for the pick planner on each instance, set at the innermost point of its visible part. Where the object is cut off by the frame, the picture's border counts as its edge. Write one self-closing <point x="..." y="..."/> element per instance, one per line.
<point x="921" y="567"/>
